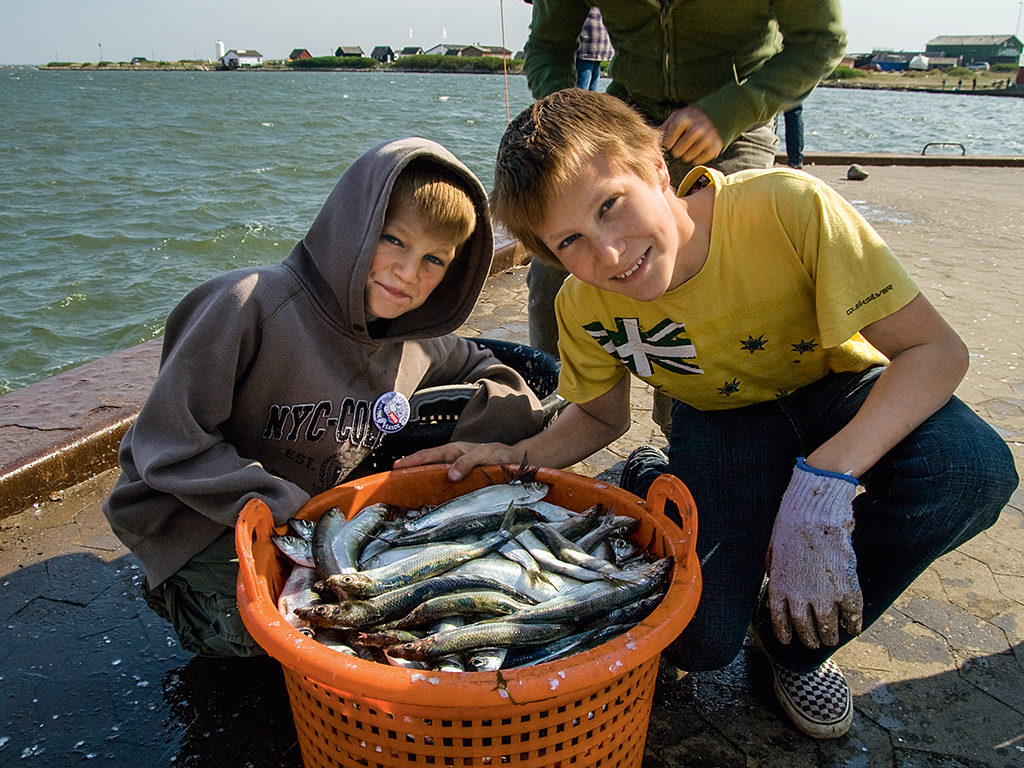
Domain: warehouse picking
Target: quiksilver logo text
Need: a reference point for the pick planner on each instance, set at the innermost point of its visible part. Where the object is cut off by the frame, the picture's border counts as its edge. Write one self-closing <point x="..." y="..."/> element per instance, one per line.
<point x="868" y="299"/>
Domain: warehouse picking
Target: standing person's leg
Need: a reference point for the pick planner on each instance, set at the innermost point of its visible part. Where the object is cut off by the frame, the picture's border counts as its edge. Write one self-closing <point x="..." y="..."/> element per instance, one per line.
<point x="582" y="74"/>
<point x="543" y="281"/>
<point x="587" y="74"/>
<point x="794" y="120"/>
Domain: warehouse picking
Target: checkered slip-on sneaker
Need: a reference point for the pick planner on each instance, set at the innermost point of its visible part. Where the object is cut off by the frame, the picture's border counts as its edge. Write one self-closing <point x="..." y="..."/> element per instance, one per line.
<point x="818" y="702"/>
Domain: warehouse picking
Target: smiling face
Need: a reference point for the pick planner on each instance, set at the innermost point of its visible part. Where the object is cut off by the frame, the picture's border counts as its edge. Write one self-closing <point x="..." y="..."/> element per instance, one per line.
<point x="408" y="264"/>
<point x="616" y="231"/>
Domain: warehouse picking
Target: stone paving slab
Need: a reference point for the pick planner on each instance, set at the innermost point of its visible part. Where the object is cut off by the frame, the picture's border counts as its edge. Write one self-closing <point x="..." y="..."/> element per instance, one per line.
<point x="938" y="681"/>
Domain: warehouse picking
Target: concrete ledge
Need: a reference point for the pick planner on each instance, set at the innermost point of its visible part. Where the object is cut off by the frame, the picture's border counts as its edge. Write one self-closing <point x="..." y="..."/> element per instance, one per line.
<point x="61" y="431"/>
<point x="65" y="429"/>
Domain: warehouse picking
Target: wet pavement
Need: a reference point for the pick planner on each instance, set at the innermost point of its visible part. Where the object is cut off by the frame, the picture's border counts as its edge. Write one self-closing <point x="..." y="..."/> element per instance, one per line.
<point x="88" y="674"/>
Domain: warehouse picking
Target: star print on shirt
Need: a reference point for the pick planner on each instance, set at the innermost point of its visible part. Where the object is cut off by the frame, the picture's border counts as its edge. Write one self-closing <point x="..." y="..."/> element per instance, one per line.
<point x="730" y="388"/>
<point x="752" y="345"/>
<point x="804" y="346"/>
<point x="639" y="350"/>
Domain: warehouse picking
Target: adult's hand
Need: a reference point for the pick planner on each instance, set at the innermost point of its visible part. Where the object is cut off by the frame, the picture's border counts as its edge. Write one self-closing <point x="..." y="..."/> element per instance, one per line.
<point x="461" y="457"/>
<point x="689" y="135"/>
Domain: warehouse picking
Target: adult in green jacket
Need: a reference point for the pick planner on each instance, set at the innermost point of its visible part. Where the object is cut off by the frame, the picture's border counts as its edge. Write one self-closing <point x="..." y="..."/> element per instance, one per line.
<point x="706" y="71"/>
<point x="711" y="75"/>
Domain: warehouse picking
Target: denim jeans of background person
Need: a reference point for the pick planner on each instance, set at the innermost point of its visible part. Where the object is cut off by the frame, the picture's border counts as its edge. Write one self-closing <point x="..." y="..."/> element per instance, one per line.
<point x="594" y="47"/>
<point x="794" y="130"/>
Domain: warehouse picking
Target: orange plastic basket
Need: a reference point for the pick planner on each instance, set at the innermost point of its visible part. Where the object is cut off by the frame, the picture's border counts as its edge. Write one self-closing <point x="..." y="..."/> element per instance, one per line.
<point x="589" y="710"/>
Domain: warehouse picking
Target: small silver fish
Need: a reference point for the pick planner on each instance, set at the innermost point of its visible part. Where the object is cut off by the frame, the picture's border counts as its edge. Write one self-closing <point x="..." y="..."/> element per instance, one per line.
<point x="468" y="603"/>
<point x="302" y="528"/>
<point x="493" y="497"/>
<point x="596" y="597"/>
<point x="296" y="549"/>
<point x="433" y="560"/>
<point x="328" y="528"/>
<point x="298" y="592"/>
<point x="475" y="636"/>
<point x="488" y="659"/>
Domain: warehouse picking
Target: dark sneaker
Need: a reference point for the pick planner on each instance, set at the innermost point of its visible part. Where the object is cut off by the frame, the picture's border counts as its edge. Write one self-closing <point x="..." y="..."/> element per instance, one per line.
<point x="641" y="461"/>
<point x="818" y="702"/>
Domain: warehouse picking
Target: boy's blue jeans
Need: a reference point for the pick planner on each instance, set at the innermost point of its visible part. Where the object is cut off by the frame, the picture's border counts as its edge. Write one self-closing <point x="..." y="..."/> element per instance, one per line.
<point x="943" y="484"/>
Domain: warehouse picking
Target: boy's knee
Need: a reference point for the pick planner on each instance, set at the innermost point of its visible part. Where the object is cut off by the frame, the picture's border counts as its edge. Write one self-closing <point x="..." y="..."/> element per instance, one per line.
<point x="208" y="624"/>
<point x="981" y="476"/>
<point x="950" y="489"/>
<point x="989" y="485"/>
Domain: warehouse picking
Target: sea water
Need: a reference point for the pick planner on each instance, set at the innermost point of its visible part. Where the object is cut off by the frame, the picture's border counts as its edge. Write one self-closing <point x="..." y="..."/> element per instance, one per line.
<point x="120" y="191"/>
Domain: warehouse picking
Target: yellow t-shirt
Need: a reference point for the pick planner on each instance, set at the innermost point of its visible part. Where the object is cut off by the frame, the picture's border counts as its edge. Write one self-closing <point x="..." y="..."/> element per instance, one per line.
<point x="792" y="275"/>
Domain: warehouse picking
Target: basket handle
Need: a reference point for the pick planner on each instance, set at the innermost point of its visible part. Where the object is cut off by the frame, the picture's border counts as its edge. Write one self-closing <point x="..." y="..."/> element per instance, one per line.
<point x="254" y="521"/>
<point x="667" y="488"/>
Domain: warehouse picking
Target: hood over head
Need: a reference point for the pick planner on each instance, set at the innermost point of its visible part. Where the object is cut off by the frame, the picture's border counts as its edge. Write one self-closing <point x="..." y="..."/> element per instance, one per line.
<point x="334" y="257"/>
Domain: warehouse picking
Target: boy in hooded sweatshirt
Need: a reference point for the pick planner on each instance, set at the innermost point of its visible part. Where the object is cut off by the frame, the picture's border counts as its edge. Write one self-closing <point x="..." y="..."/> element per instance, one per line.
<point x="277" y="382"/>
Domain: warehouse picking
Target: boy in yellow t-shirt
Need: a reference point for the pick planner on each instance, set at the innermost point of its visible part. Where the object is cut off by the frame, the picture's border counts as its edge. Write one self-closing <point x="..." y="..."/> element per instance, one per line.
<point x="804" y="365"/>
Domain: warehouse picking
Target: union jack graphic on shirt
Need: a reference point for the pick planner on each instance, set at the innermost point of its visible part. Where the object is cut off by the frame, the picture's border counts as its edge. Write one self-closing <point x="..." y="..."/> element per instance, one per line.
<point x="664" y="345"/>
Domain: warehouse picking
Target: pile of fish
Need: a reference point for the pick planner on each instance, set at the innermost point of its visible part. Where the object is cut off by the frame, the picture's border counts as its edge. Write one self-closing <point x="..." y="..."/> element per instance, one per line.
<point x="493" y="579"/>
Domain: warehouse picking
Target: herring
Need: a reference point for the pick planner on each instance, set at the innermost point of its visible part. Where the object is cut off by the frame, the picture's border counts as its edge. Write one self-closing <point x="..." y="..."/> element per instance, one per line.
<point x="476" y="636"/>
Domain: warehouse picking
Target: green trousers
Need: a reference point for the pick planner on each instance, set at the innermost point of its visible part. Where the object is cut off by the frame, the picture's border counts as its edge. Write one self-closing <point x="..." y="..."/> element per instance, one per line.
<point x="199" y="601"/>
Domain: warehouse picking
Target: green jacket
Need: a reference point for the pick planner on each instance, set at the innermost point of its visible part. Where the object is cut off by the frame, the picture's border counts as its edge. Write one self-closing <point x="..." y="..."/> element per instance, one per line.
<point x="726" y="58"/>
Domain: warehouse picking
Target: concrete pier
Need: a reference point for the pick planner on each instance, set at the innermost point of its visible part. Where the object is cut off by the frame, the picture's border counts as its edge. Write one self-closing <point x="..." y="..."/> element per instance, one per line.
<point x="89" y="672"/>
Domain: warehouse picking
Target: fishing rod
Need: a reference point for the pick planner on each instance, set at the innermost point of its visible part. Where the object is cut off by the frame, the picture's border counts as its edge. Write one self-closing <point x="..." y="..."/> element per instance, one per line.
<point x="504" y="58"/>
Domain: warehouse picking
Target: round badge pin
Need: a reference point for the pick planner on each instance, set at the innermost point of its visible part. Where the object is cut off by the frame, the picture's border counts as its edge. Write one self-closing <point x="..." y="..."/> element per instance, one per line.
<point x="391" y="412"/>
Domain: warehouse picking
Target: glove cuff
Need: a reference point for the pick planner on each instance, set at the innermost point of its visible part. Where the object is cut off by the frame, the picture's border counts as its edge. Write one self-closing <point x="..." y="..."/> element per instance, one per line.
<point x="819" y="496"/>
<point x="801" y="464"/>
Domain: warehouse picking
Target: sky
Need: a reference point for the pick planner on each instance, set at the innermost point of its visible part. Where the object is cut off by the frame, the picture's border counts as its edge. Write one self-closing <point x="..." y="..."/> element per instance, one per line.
<point x="39" y="31"/>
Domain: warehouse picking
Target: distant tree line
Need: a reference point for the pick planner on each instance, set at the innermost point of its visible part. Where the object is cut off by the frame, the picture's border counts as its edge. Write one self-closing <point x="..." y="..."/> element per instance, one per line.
<point x="420" y="63"/>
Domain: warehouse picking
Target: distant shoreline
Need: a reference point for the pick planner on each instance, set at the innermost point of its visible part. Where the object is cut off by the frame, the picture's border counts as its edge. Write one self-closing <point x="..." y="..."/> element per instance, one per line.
<point x="1011" y="91"/>
<point x="985" y="85"/>
<point x="515" y="67"/>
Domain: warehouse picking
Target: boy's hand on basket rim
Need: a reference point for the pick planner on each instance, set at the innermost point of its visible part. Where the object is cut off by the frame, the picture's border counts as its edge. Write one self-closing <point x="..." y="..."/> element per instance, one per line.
<point x="461" y="457"/>
<point x="812" y="568"/>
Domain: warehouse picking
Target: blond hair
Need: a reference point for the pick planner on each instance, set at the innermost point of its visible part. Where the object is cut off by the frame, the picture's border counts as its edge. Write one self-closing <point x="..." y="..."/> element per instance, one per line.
<point x="547" y="145"/>
<point x="438" y="196"/>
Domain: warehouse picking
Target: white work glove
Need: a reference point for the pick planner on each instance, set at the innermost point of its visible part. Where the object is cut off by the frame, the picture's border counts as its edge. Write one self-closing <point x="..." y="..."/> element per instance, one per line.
<point x="812" y="568"/>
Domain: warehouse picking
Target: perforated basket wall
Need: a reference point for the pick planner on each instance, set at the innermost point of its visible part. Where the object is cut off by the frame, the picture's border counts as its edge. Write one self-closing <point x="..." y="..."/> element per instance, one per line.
<point x="590" y="709"/>
<point x="602" y="726"/>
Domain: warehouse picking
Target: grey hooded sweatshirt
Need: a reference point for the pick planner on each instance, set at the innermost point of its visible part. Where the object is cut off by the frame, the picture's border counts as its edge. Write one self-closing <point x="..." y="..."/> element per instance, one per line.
<point x="269" y="375"/>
